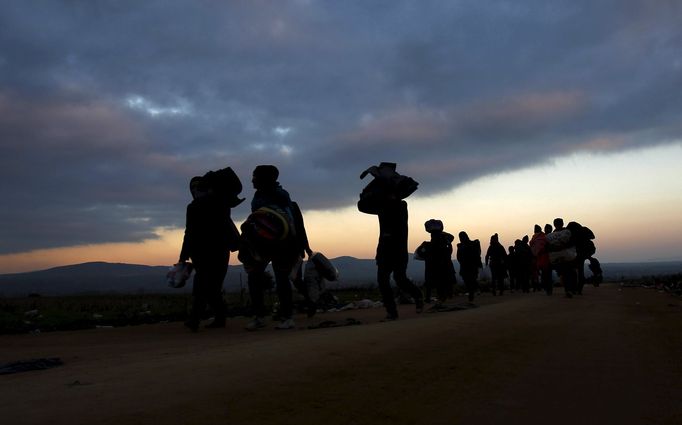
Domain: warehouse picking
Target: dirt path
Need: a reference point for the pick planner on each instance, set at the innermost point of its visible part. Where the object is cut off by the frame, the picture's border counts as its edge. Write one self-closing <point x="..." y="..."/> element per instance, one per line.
<point x="610" y="357"/>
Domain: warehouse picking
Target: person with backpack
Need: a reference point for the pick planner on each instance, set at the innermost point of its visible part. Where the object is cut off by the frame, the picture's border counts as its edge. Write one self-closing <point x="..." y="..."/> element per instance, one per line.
<point x="469" y="259"/>
<point x="585" y="248"/>
<point x="210" y="235"/>
<point x="496" y="258"/>
<point x="273" y="233"/>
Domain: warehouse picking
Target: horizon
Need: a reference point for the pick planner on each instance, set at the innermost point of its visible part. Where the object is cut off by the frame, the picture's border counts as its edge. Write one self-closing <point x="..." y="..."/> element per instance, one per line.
<point x="331" y="258"/>
<point x="564" y="110"/>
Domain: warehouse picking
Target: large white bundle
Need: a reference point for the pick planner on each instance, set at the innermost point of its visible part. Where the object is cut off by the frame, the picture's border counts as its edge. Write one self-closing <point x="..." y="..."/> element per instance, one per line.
<point x="313" y="281"/>
<point x="324" y="266"/>
<point x="563" y="256"/>
<point x="556" y="241"/>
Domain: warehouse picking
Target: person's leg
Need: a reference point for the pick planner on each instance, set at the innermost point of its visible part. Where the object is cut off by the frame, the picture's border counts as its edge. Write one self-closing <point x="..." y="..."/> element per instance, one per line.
<point x="384" y="282"/>
<point x="471" y="286"/>
<point x="215" y="293"/>
<point x="580" y="269"/>
<point x="547" y="281"/>
<point x="405" y="284"/>
<point x="282" y="267"/>
<point x="255" y="280"/>
<point x="199" y="290"/>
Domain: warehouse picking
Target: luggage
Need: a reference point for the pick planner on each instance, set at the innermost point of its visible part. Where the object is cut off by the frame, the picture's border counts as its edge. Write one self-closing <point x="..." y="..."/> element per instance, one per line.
<point x="317" y="269"/>
<point x="422" y="251"/>
<point x="267" y="224"/>
<point x="226" y="183"/>
<point x="386" y="185"/>
<point x="565" y="255"/>
<point x="324" y="266"/>
<point x="556" y="241"/>
<point x="433" y="225"/>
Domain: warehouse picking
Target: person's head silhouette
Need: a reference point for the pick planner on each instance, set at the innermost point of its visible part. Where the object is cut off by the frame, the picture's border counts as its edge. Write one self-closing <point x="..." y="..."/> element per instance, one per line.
<point x="558" y="223"/>
<point x="265" y="176"/>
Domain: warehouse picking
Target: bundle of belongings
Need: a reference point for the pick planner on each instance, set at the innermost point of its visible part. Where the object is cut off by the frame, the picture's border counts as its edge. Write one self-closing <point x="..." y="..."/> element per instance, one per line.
<point x="225" y="183"/>
<point x="317" y="270"/>
<point x="386" y="186"/>
<point x="573" y="242"/>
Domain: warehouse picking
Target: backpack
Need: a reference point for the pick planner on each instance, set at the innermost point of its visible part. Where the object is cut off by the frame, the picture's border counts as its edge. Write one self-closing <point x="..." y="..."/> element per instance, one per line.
<point x="582" y="238"/>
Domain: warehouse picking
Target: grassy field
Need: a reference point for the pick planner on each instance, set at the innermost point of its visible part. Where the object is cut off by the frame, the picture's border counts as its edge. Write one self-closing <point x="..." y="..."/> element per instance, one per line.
<point x="44" y="314"/>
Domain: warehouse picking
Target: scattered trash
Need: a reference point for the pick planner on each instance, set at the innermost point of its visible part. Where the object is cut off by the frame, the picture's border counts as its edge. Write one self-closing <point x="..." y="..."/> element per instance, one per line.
<point x="333" y="324"/>
<point x="28" y="365"/>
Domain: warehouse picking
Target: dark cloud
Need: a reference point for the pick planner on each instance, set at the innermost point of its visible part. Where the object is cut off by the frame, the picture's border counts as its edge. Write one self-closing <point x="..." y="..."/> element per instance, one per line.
<point x="108" y="108"/>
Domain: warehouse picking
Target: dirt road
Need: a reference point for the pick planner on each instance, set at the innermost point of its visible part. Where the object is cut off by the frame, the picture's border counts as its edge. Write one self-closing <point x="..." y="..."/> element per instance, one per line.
<point x="610" y="357"/>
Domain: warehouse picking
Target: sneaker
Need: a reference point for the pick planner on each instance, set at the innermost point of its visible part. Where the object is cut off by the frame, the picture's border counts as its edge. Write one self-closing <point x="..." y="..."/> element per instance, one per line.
<point x="255" y="324"/>
<point x="286" y="324"/>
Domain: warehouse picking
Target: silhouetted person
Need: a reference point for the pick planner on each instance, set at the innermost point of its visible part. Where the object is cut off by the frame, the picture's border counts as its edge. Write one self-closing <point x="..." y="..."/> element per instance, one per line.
<point x="511" y="269"/>
<point x="439" y="272"/>
<point x="392" y="256"/>
<point x="541" y="269"/>
<point x="496" y="258"/>
<point x="384" y="196"/>
<point x="565" y="269"/>
<point x="283" y="248"/>
<point x="524" y="259"/>
<point x="210" y="234"/>
<point x="582" y="237"/>
<point x="469" y="258"/>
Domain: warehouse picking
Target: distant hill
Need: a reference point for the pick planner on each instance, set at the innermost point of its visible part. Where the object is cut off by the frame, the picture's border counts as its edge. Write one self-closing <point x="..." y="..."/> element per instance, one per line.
<point x="101" y="277"/>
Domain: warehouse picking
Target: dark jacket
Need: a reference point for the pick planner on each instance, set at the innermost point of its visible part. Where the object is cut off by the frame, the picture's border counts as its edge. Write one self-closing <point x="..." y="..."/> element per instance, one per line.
<point x="469" y="258"/>
<point x="209" y="230"/>
<point x="392" y="247"/>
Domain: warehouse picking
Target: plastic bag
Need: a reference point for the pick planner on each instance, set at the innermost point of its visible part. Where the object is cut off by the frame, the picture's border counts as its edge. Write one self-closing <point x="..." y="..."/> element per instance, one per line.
<point x="179" y="274"/>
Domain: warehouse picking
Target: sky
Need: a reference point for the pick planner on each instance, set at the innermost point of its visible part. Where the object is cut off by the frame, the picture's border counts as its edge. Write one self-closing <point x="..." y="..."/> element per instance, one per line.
<point x="508" y="114"/>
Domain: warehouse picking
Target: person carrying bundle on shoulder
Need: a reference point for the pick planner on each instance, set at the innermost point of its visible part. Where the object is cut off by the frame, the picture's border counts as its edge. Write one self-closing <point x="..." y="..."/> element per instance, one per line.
<point x="384" y="196"/>
<point x="439" y="272"/>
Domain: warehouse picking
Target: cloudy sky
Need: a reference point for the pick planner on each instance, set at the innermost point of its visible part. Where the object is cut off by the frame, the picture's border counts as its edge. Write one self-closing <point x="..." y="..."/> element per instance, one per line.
<point x="508" y="113"/>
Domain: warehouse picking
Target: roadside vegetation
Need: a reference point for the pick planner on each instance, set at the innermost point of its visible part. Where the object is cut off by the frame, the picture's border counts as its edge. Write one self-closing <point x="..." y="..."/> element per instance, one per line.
<point x="36" y="313"/>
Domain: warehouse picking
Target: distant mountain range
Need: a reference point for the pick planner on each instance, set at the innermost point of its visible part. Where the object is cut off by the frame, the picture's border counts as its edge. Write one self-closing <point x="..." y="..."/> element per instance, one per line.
<point x="101" y="277"/>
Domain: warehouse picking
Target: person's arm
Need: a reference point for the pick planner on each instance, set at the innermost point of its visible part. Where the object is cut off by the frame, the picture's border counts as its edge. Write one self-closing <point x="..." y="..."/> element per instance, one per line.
<point x="301" y="235"/>
<point x="187" y="239"/>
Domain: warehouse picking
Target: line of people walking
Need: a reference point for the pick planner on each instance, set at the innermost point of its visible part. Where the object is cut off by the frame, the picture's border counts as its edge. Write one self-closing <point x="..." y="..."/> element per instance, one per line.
<point x="274" y="233"/>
